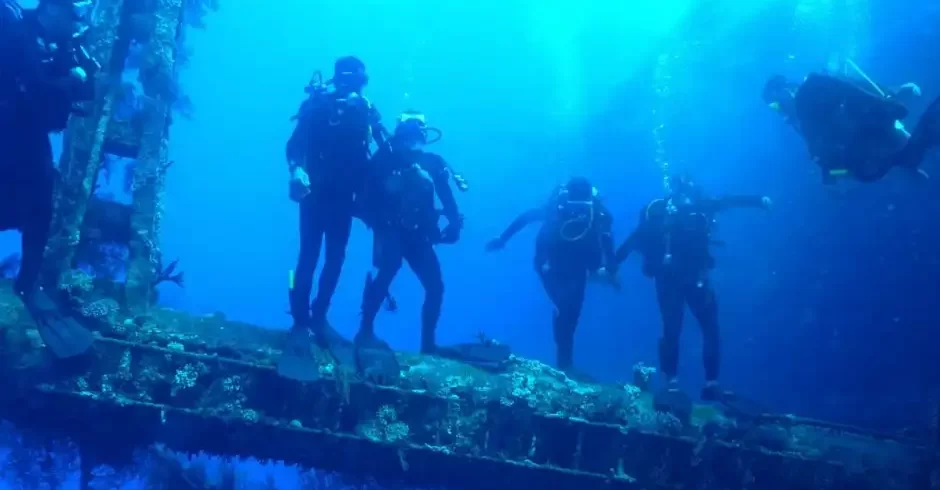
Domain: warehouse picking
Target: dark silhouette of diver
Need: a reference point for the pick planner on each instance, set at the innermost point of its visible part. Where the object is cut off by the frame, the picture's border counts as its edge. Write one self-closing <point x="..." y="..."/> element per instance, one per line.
<point x="673" y="236"/>
<point x="853" y="127"/>
<point x="398" y="204"/>
<point x="328" y="154"/>
<point x="574" y="242"/>
<point x="44" y="70"/>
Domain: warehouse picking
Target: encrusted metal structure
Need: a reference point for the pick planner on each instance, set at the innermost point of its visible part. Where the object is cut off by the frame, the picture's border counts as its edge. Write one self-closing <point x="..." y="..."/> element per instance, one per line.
<point x="154" y="25"/>
<point x="207" y="384"/>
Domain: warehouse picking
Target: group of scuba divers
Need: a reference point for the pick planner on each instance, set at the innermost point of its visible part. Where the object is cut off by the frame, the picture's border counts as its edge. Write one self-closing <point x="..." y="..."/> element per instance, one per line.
<point x="336" y="179"/>
<point x="345" y="165"/>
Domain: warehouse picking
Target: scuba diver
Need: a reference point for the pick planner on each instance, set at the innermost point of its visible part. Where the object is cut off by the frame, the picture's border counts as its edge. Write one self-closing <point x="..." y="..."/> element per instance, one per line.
<point x="44" y="71"/>
<point x="852" y="131"/>
<point x="674" y="236"/>
<point x="574" y="242"/>
<point x="398" y="204"/>
<point x="327" y="155"/>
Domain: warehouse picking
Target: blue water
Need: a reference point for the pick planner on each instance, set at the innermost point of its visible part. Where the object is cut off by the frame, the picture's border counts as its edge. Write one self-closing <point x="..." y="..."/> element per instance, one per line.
<point x="828" y="304"/>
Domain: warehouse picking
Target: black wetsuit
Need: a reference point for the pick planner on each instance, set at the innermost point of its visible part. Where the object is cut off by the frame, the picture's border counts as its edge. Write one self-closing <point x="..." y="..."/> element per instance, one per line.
<point x="850" y="129"/>
<point x="331" y="142"/>
<point x="36" y="97"/>
<point x="568" y="248"/>
<point x="398" y="203"/>
<point x="675" y="250"/>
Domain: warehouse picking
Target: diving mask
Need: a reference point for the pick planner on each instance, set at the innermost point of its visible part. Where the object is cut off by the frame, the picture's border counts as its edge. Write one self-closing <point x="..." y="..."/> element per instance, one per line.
<point x="412" y="131"/>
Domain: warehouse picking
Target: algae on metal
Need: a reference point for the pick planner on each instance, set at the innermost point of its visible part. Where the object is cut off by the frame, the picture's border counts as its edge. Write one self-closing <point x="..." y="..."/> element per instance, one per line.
<point x="527" y="414"/>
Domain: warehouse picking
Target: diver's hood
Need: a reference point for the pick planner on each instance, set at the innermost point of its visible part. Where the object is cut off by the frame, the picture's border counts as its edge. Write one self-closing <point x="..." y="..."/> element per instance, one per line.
<point x="413" y="132"/>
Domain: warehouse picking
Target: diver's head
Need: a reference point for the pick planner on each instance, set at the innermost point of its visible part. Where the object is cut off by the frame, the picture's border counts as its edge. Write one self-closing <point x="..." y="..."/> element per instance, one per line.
<point x="349" y="75"/>
<point x="683" y="191"/>
<point x="779" y="93"/>
<point x="63" y="19"/>
<point x="411" y="132"/>
<point x="579" y="189"/>
<point x="576" y="208"/>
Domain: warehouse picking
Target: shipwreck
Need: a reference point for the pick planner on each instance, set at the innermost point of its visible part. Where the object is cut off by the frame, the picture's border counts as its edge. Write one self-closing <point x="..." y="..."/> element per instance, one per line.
<point x="208" y="384"/>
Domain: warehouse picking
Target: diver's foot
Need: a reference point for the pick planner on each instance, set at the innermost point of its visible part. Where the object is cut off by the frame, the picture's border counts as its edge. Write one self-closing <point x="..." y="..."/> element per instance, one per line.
<point x="62" y="334"/>
<point x="298" y="361"/>
<point x="339" y="347"/>
<point x="578" y="375"/>
<point x="712" y="392"/>
<point x="375" y="359"/>
<point x="671" y="399"/>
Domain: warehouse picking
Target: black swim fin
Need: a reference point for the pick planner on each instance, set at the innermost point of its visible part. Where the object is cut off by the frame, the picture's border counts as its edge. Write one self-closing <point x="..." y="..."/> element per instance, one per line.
<point x="486" y="354"/>
<point x="673" y="401"/>
<point x="340" y="348"/>
<point x="375" y="360"/>
<point x="298" y="361"/>
<point x="61" y="332"/>
<point x="742" y="408"/>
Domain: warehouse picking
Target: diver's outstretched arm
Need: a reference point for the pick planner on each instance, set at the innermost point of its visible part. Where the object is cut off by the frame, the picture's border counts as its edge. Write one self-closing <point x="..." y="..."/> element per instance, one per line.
<point x="627" y="247"/>
<point x="633" y="241"/>
<point x="517" y="225"/>
<point x="729" y="202"/>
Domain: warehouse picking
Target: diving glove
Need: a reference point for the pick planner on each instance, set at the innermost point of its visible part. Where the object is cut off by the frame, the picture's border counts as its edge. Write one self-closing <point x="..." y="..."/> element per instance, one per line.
<point x="299" y="184"/>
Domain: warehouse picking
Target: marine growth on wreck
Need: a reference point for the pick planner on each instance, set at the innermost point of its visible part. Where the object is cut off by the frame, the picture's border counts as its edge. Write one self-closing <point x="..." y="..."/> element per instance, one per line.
<point x="171" y="400"/>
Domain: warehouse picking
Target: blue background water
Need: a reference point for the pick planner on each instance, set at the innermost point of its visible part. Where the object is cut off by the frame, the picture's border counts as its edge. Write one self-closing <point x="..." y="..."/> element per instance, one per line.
<point x="828" y="304"/>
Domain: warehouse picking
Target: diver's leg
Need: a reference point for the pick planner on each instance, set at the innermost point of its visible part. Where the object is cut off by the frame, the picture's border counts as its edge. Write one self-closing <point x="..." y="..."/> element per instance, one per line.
<point x="566" y="321"/>
<point x="926" y="135"/>
<point x="704" y="306"/>
<point x="311" y="240"/>
<point x="338" y="229"/>
<point x="567" y="294"/>
<point x="671" y="303"/>
<point x="35" y="235"/>
<point x="387" y="260"/>
<point x="423" y="261"/>
<point x="61" y="333"/>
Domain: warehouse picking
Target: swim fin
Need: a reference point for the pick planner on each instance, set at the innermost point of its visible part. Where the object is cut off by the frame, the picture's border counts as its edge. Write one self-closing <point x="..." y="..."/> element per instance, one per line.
<point x="298" y="361"/>
<point x="486" y="354"/>
<point x="340" y="348"/>
<point x="375" y="359"/>
<point x="673" y="401"/>
<point x="742" y="408"/>
<point x="61" y="332"/>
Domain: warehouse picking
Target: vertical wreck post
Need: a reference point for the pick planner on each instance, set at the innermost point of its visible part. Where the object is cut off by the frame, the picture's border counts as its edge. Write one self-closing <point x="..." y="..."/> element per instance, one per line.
<point x="156" y="75"/>
<point x="85" y="138"/>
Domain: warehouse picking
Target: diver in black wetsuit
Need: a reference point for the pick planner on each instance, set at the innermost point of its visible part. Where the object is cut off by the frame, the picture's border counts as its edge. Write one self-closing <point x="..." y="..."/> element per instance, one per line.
<point x="673" y="236"/>
<point x="328" y="154"/>
<point x="852" y="131"/>
<point x="44" y="70"/>
<point x="574" y="242"/>
<point x="398" y="203"/>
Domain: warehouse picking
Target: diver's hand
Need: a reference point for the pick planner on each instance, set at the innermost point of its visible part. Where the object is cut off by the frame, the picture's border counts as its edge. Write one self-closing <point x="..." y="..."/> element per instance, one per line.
<point x="608" y="276"/>
<point x="909" y="89"/>
<point x="78" y="74"/>
<point x="495" y="244"/>
<point x="450" y="234"/>
<point x="299" y="184"/>
<point x="766" y="203"/>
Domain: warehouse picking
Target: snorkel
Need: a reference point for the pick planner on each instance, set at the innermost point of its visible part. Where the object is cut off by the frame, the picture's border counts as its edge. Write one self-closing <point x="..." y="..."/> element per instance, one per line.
<point x="577" y="200"/>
